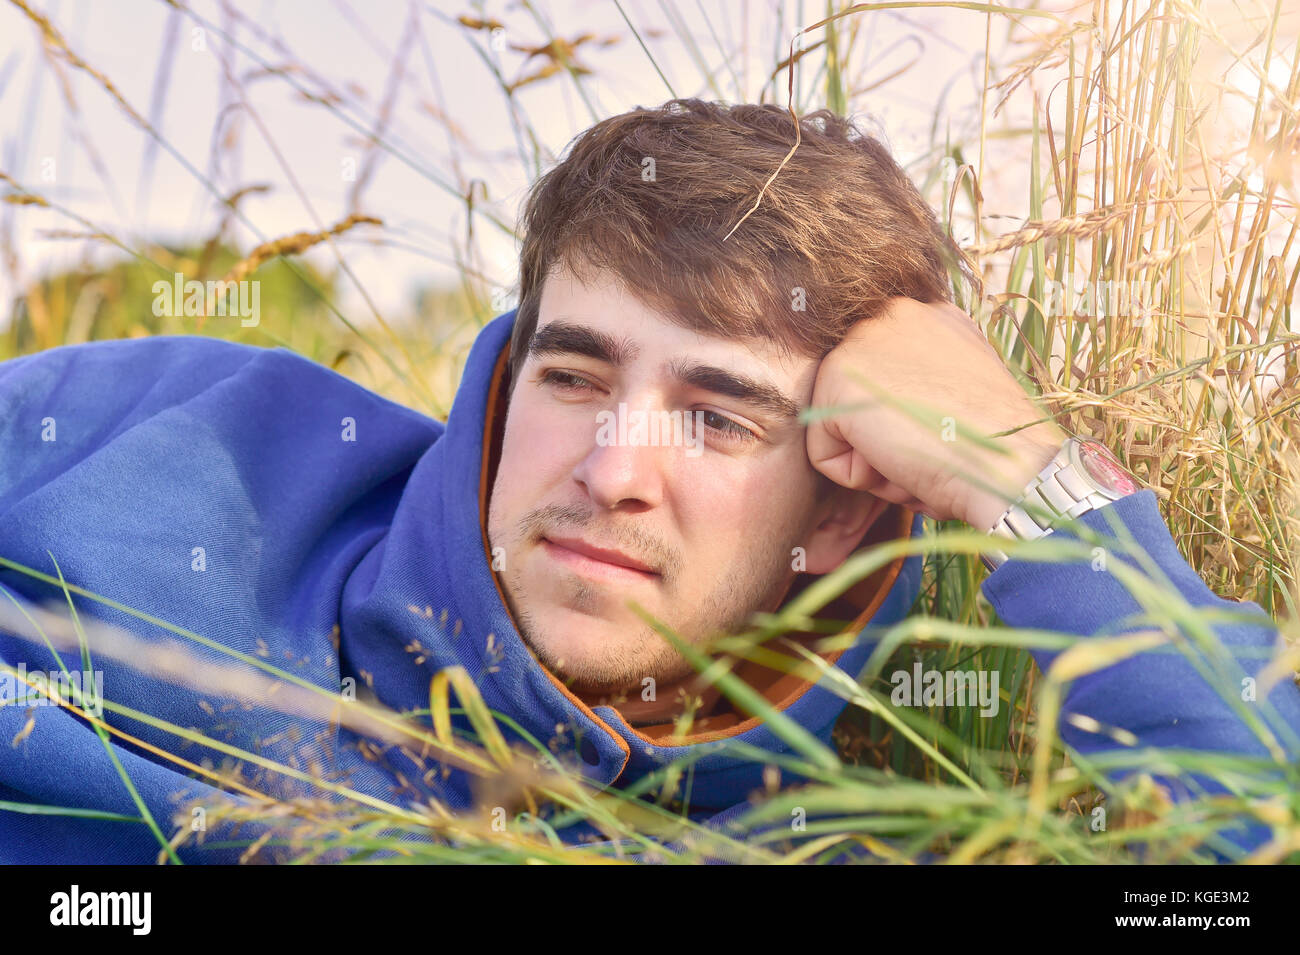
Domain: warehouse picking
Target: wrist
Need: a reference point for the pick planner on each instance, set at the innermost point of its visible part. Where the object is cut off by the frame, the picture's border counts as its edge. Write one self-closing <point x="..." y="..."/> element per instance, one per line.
<point x="986" y="507"/>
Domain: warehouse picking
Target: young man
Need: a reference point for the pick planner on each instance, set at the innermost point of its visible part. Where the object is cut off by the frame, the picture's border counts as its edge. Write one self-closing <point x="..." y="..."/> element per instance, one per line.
<point x="284" y="514"/>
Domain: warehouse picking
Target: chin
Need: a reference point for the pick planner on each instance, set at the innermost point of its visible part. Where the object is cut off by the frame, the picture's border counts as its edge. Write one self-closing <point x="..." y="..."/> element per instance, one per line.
<point x="588" y="653"/>
<point x="581" y="628"/>
<point x="573" y="637"/>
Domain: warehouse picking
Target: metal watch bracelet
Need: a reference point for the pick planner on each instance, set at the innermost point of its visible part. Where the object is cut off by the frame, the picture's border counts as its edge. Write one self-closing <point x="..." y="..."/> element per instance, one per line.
<point x="1082" y="476"/>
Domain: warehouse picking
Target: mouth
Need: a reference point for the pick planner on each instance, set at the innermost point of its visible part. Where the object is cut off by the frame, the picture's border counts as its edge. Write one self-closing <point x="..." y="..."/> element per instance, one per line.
<point x="597" y="562"/>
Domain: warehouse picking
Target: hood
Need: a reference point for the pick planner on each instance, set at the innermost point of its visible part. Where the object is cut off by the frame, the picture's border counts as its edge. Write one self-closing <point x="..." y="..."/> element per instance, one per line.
<point x="437" y="553"/>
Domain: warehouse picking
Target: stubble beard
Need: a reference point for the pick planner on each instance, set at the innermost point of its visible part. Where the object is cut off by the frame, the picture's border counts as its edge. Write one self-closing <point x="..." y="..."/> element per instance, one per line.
<point x="624" y="664"/>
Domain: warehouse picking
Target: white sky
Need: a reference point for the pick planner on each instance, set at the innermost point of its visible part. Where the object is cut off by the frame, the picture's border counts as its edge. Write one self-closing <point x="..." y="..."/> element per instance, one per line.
<point x="124" y="40"/>
<point x="353" y="45"/>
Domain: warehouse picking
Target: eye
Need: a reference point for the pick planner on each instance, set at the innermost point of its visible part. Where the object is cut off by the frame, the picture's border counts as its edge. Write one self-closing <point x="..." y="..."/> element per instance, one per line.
<point x="729" y="429"/>
<point x="566" y="381"/>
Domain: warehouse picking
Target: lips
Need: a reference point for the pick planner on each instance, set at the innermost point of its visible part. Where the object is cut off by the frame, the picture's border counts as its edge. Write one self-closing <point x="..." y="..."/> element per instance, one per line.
<point x="597" y="561"/>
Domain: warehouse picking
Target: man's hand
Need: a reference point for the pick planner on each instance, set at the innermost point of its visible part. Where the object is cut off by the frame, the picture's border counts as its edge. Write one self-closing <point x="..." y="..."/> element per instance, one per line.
<point x="933" y="355"/>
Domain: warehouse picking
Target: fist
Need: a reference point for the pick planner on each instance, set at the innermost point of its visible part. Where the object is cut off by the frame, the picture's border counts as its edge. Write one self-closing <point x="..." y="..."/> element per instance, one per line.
<point x="933" y="360"/>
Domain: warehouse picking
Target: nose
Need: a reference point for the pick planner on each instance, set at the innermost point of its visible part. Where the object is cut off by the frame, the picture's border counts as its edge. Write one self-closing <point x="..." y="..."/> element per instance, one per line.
<point x="623" y="475"/>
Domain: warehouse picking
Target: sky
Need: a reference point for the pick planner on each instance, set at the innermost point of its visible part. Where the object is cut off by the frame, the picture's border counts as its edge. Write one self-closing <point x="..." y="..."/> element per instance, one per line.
<point x="63" y="136"/>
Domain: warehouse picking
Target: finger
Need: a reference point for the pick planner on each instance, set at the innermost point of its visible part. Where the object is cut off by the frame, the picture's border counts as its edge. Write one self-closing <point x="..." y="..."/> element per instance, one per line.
<point x="850" y="469"/>
<point x="836" y="458"/>
<point x="895" y="494"/>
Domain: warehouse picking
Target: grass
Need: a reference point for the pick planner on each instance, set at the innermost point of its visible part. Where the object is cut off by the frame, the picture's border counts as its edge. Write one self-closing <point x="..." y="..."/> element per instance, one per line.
<point x="1110" y="117"/>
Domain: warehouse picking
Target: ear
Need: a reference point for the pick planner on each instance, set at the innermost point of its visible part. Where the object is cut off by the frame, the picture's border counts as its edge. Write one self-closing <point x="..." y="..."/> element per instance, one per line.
<point x="845" y="516"/>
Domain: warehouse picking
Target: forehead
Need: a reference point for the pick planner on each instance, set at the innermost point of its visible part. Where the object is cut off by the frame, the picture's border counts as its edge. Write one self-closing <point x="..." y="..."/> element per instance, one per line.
<point x="656" y="342"/>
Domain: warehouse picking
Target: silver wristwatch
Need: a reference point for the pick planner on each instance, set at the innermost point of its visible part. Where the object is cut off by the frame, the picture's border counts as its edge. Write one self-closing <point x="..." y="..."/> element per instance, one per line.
<point x="1083" y="476"/>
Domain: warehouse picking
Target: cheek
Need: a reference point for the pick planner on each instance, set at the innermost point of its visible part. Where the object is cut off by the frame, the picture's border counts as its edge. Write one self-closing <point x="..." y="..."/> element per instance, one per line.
<point x="729" y="514"/>
<point x="539" y="451"/>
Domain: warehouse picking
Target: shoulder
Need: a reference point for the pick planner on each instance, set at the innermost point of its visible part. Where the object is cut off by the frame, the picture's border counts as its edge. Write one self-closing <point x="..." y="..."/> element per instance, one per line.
<point x="128" y="364"/>
<point x="163" y="365"/>
<point x="106" y="387"/>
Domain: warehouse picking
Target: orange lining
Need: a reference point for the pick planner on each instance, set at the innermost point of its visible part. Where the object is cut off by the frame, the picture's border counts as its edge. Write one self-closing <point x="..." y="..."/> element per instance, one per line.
<point x="779" y="689"/>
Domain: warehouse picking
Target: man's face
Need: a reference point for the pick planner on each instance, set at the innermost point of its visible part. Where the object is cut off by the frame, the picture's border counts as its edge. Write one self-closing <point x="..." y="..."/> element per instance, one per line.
<point x="699" y="528"/>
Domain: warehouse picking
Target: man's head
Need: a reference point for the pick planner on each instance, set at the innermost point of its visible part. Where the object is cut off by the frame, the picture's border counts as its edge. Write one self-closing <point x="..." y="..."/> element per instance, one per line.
<point x="652" y="450"/>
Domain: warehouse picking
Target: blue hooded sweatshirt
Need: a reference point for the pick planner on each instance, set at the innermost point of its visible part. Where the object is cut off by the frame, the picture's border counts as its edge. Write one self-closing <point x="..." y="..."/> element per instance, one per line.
<point x="280" y="511"/>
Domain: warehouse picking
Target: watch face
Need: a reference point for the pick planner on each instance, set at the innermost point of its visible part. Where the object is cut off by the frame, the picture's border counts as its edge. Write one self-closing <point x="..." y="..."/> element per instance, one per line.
<point x="1101" y="466"/>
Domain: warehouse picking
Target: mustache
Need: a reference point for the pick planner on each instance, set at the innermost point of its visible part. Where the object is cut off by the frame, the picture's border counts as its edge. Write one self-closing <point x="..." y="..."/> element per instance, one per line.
<point x="631" y="540"/>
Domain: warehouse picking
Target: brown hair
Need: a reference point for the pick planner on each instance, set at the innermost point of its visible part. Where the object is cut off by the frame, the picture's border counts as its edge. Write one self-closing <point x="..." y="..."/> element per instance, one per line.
<point x="841" y="221"/>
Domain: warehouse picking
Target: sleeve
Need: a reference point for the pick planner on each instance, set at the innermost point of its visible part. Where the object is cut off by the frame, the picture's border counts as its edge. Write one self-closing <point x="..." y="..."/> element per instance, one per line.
<point x="57" y="781"/>
<point x="1197" y="695"/>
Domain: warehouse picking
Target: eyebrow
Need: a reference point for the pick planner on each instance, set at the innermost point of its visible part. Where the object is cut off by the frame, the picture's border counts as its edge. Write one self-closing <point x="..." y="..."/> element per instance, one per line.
<point x="568" y="338"/>
<point x="767" y="397"/>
